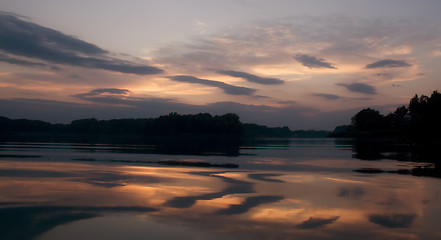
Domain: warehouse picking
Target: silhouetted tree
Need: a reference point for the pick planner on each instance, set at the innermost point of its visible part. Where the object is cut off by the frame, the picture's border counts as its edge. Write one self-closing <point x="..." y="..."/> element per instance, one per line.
<point x="414" y="104"/>
<point x="89" y="125"/>
<point x="420" y="119"/>
<point x="426" y="114"/>
<point x="368" y="119"/>
<point x="397" y="119"/>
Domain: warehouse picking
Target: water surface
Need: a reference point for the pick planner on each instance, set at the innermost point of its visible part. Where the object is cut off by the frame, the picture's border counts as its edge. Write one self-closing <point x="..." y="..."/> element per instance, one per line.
<point x="291" y="189"/>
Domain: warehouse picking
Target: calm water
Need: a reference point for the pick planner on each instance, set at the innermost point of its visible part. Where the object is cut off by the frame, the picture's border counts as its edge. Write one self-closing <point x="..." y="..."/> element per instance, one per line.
<point x="297" y="189"/>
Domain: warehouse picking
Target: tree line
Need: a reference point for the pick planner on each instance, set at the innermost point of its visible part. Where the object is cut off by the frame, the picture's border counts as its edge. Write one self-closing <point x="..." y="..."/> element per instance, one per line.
<point x="420" y="119"/>
<point x="171" y="125"/>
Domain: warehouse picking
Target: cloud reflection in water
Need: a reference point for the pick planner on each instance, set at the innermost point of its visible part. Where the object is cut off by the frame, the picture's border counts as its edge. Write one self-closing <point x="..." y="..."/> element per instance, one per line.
<point x="45" y="197"/>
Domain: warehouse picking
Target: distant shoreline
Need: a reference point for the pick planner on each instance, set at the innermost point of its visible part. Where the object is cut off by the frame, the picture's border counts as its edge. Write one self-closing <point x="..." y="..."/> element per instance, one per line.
<point x="172" y="127"/>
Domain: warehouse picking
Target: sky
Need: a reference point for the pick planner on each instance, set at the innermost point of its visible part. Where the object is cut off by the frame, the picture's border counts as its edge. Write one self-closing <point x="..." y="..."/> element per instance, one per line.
<point x="305" y="64"/>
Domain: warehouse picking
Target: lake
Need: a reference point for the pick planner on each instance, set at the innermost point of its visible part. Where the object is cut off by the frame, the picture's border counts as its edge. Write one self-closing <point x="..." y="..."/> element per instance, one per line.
<point x="278" y="189"/>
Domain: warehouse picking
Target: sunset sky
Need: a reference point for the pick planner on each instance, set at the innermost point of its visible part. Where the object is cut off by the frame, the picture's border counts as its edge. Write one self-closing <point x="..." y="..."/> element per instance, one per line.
<point x="306" y="64"/>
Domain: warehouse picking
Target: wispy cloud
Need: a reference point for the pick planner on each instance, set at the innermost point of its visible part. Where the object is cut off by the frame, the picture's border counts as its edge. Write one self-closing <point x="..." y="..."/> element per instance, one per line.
<point x="289" y="102"/>
<point x="121" y="97"/>
<point x="388" y="63"/>
<point x="251" y="77"/>
<point x="56" y="68"/>
<point x="359" y="88"/>
<point x="326" y="96"/>
<point x="272" y="46"/>
<point x="104" y="92"/>
<point x="26" y="39"/>
<point x="313" y="62"/>
<point x="12" y="60"/>
<point x="227" y="88"/>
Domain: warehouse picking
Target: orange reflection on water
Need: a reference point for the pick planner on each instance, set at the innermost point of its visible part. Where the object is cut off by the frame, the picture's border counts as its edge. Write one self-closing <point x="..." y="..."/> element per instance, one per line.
<point x="220" y="203"/>
<point x="255" y="204"/>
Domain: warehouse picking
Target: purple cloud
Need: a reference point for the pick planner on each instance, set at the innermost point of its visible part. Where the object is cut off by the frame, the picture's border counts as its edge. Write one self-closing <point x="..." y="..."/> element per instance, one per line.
<point x="30" y="40"/>
<point x="252" y="78"/>
<point x="388" y="63"/>
<point x="313" y="62"/>
<point x="359" y="88"/>
<point x="227" y="88"/>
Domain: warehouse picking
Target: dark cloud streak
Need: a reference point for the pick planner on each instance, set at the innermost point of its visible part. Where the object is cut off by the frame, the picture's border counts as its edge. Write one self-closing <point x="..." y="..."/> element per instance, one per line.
<point x="103" y="91"/>
<point x="251" y="77"/>
<point x="227" y="88"/>
<point x="12" y="60"/>
<point x="313" y="62"/>
<point x="326" y="96"/>
<point x="30" y="40"/>
<point x="359" y="88"/>
<point x="388" y="63"/>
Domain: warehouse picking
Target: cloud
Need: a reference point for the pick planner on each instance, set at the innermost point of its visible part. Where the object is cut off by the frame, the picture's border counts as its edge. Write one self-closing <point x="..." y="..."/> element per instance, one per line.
<point x="359" y="88"/>
<point x="393" y="221"/>
<point x="56" y="68"/>
<point x="120" y="97"/>
<point x="313" y="62"/>
<point x="104" y="92"/>
<point x="389" y="63"/>
<point x="269" y="47"/>
<point x="289" y="102"/>
<point x="252" y="78"/>
<point x="227" y="88"/>
<point x="25" y="39"/>
<point x="12" y="60"/>
<point x="261" y="97"/>
<point x="316" y="222"/>
<point x="326" y="96"/>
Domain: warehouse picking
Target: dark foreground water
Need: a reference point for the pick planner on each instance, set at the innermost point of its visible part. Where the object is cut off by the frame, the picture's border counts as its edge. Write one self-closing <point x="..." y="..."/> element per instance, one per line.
<point x="297" y="189"/>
